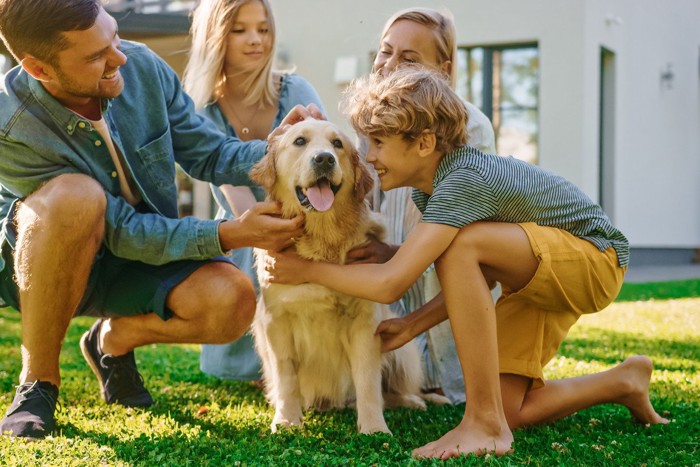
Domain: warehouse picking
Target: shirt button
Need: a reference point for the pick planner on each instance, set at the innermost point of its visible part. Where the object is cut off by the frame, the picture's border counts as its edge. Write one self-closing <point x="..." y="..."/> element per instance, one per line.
<point x="114" y="174"/>
<point x="81" y="125"/>
<point x="98" y="143"/>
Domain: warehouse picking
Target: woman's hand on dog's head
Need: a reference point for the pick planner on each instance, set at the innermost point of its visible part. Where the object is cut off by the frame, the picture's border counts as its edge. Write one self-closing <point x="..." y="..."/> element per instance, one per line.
<point x="299" y="113"/>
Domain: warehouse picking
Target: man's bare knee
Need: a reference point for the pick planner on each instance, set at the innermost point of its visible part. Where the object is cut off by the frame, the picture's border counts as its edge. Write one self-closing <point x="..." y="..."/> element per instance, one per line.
<point x="71" y="203"/>
<point x="224" y="299"/>
<point x="234" y="311"/>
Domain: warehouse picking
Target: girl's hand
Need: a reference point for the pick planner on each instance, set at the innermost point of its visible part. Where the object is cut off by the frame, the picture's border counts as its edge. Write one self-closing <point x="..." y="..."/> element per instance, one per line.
<point x="286" y="267"/>
<point x="394" y="333"/>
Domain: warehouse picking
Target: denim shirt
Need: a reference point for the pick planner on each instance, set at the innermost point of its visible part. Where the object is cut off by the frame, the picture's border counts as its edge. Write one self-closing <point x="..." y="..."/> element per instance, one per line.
<point x="154" y="125"/>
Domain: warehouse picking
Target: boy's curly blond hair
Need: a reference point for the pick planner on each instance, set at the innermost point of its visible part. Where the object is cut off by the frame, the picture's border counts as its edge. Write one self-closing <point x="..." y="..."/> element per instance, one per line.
<point x="407" y="102"/>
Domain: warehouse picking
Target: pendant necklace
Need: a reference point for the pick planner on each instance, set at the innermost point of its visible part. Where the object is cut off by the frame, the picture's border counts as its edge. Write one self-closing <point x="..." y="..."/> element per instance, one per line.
<point x="244" y="130"/>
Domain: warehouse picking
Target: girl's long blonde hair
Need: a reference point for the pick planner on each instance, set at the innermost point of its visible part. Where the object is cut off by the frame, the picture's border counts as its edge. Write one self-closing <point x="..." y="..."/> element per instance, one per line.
<point x="443" y="26"/>
<point x="204" y="77"/>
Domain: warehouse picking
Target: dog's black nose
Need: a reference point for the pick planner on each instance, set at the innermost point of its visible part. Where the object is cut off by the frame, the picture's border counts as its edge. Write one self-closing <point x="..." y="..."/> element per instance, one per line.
<point x="324" y="160"/>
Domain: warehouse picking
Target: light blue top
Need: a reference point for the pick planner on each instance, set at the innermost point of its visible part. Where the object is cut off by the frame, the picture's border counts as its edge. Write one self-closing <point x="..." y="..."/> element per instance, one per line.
<point x="154" y="125"/>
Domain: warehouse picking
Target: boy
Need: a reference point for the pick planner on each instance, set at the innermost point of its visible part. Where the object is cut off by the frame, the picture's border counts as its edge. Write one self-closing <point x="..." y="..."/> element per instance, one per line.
<point x="485" y="218"/>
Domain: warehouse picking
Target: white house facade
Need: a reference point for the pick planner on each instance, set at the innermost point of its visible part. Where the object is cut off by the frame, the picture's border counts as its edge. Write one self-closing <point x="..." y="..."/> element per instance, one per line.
<point x="617" y="103"/>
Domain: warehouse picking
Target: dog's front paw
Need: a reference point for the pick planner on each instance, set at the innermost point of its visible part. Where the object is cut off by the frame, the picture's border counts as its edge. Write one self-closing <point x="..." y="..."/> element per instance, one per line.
<point x="372" y="422"/>
<point x="368" y="429"/>
<point x="282" y="421"/>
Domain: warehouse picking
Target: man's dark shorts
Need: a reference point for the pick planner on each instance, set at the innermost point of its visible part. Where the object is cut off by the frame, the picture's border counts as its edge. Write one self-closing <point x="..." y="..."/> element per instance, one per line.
<point x="116" y="287"/>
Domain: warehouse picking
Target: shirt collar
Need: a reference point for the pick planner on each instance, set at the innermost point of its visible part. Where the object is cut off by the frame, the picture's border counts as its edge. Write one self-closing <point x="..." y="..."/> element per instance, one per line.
<point x="63" y="116"/>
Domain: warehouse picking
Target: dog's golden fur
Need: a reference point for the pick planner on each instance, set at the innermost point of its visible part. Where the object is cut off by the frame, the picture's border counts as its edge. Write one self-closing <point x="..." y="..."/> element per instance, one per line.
<point x="318" y="346"/>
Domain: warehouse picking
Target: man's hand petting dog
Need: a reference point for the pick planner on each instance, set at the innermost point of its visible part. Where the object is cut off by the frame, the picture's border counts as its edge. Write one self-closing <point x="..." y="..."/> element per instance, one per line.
<point x="262" y="226"/>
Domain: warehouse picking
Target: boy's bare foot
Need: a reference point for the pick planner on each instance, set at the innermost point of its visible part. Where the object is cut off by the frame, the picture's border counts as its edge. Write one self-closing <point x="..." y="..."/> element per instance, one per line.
<point x="635" y="372"/>
<point x="463" y="440"/>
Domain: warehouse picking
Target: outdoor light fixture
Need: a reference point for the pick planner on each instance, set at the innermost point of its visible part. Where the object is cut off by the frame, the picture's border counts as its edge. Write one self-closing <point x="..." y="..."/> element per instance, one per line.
<point x="667" y="77"/>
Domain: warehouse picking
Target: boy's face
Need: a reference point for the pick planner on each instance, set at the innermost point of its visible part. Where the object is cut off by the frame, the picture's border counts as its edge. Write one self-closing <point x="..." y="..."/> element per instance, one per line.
<point x="396" y="161"/>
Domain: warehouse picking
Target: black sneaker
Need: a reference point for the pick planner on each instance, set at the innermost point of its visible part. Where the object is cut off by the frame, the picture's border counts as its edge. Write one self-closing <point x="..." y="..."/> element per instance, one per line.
<point x="120" y="381"/>
<point x="31" y="413"/>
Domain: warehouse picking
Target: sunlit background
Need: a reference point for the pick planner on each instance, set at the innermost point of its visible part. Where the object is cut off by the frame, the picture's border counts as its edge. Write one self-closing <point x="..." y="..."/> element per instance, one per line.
<point x="603" y="92"/>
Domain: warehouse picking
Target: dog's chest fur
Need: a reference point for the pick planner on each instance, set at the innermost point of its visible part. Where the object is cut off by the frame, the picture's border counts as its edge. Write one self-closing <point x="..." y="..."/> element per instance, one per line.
<point x="322" y="241"/>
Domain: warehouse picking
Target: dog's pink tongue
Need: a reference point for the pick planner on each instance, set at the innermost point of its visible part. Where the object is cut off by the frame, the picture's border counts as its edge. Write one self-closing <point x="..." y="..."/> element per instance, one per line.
<point x="320" y="196"/>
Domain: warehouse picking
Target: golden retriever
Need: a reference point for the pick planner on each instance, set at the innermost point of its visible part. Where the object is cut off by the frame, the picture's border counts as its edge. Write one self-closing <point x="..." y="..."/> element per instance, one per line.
<point x="317" y="346"/>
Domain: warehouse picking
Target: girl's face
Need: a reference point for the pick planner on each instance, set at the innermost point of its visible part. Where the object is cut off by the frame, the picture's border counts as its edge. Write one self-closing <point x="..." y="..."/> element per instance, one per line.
<point x="395" y="160"/>
<point x="249" y="41"/>
<point x="407" y="42"/>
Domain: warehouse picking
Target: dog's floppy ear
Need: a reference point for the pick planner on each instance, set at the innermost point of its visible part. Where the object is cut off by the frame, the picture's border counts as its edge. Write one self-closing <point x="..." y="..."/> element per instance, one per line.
<point x="263" y="173"/>
<point x="363" y="179"/>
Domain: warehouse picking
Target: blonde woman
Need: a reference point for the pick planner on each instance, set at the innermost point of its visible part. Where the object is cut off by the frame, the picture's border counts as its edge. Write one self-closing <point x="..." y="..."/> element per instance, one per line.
<point x="426" y="37"/>
<point x="232" y="80"/>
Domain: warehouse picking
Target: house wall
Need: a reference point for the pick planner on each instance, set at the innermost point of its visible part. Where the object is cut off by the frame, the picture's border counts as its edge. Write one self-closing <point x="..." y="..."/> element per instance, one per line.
<point x="657" y="130"/>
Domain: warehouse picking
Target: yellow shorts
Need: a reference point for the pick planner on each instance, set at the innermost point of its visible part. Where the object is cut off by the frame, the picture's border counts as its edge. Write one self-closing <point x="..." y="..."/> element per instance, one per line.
<point x="574" y="277"/>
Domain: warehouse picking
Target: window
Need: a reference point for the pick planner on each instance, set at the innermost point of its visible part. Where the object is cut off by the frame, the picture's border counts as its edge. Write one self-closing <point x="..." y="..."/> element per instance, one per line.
<point x="503" y="82"/>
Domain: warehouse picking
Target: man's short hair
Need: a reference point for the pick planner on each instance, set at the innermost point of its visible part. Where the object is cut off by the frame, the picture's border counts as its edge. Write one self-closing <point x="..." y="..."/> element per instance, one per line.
<point x="407" y="102"/>
<point x="36" y="27"/>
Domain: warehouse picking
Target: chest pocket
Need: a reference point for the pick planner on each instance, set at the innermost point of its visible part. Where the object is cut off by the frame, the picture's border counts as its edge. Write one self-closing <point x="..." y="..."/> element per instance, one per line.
<point x="158" y="161"/>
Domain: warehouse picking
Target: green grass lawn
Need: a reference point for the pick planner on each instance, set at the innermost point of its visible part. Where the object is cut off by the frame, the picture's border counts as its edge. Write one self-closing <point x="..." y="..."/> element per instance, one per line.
<point x="199" y="420"/>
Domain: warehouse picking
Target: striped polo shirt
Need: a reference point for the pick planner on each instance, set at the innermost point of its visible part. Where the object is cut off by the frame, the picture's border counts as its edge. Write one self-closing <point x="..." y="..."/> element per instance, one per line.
<point x="471" y="186"/>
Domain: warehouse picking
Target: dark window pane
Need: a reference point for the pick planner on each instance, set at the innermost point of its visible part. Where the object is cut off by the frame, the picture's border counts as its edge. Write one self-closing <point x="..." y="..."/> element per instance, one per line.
<point x="504" y="83"/>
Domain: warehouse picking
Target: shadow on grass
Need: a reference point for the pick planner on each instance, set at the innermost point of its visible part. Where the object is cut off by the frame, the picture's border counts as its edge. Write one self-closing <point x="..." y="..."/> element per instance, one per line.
<point x="611" y="347"/>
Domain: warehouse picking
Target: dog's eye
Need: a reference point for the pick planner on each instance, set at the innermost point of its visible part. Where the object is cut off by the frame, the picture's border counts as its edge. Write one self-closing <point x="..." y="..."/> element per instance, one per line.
<point x="337" y="143"/>
<point x="300" y="141"/>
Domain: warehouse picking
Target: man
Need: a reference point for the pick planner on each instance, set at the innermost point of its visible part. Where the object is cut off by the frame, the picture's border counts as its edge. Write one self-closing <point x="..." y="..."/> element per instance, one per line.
<point x="90" y="130"/>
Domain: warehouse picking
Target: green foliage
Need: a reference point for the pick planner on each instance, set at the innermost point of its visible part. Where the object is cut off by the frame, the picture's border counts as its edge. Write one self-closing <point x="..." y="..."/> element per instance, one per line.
<point x="199" y="420"/>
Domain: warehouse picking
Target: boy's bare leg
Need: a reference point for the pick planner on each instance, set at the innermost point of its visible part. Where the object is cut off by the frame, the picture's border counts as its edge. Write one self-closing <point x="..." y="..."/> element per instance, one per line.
<point x="59" y="230"/>
<point x="626" y="384"/>
<point x="214" y="305"/>
<point x="480" y="253"/>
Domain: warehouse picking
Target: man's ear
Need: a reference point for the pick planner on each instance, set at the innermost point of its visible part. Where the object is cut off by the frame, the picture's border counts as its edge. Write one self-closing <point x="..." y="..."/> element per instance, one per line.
<point x="426" y="143"/>
<point x="36" y="68"/>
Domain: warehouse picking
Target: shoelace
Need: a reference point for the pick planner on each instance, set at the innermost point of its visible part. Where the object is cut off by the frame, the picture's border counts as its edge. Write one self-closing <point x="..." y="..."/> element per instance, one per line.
<point x="34" y="391"/>
<point x="120" y="367"/>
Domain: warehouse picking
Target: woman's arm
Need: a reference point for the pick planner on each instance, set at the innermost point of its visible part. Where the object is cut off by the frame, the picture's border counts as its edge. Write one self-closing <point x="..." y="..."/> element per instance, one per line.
<point x="385" y="282"/>
<point x="240" y="198"/>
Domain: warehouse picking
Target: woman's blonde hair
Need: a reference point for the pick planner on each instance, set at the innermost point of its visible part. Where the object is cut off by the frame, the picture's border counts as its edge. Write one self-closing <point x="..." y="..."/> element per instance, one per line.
<point x="443" y="27"/>
<point x="204" y="75"/>
<point x="407" y="102"/>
